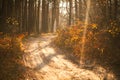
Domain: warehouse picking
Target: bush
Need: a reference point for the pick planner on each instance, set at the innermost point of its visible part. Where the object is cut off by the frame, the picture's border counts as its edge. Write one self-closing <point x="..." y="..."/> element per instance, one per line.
<point x="101" y="44"/>
<point x="11" y="53"/>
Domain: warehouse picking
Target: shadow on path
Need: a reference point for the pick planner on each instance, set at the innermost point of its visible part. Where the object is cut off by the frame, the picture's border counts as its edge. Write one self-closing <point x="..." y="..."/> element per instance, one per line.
<point x="46" y="61"/>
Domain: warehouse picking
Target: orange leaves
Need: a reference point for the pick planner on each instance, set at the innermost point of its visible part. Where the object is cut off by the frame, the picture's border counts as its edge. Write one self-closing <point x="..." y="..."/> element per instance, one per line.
<point x="96" y="39"/>
<point x="4" y="44"/>
<point x="13" y="42"/>
<point x="20" y="36"/>
<point x="100" y="42"/>
<point x="71" y="38"/>
<point x="4" y="41"/>
<point x="19" y="39"/>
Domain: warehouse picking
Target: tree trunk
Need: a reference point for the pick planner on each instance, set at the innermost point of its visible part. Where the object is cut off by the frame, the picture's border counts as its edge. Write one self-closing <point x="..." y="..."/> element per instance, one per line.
<point x="45" y="8"/>
<point x="38" y="18"/>
<point x="70" y="12"/>
<point x="30" y="16"/>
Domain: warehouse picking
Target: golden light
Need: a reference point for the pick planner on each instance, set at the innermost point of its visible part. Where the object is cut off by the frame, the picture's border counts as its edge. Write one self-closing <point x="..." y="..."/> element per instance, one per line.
<point x="85" y="31"/>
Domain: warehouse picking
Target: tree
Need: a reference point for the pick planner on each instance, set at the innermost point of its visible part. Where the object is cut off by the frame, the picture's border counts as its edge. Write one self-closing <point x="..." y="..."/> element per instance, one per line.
<point x="31" y="16"/>
<point x="70" y="12"/>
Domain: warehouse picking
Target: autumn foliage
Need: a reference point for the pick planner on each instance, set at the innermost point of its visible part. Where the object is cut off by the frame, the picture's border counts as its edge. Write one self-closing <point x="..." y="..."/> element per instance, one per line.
<point x="101" y="44"/>
<point x="11" y="53"/>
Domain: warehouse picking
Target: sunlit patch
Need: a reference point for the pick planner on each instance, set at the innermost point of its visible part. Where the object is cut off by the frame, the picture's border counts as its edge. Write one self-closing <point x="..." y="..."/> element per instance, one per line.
<point x="32" y="47"/>
<point x="37" y="52"/>
<point x="103" y="73"/>
<point x="111" y="76"/>
<point x="43" y="44"/>
<point x="48" y="50"/>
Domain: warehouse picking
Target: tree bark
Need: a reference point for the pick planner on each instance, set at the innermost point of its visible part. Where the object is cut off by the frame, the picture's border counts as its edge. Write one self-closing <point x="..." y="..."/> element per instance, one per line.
<point x="45" y="9"/>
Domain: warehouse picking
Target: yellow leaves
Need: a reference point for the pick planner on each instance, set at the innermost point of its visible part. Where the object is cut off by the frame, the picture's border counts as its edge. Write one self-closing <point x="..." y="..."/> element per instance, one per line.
<point x="73" y="35"/>
<point x="79" y="31"/>
<point x="94" y="26"/>
<point x="96" y="39"/>
<point x="74" y="38"/>
<point x="114" y="31"/>
<point x="12" y="21"/>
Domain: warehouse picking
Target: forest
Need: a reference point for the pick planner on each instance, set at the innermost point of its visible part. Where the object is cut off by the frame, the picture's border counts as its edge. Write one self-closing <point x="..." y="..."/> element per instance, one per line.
<point x="59" y="39"/>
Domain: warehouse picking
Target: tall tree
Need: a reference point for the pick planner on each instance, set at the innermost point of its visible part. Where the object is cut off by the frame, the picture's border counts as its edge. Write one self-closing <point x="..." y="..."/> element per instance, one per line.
<point x="76" y="10"/>
<point x="45" y="11"/>
<point x="38" y="17"/>
<point x="30" y="16"/>
<point x="70" y="12"/>
<point x="55" y="14"/>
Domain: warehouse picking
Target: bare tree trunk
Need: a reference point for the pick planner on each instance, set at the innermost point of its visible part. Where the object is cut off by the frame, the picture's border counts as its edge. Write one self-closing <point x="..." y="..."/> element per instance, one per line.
<point x="70" y="12"/>
<point x="45" y="9"/>
<point x="76" y="9"/>
<point x="25" y="16"/>
<point x="31" y="15"/>
<point x="57" y="14"/>
<point x="38" y="18"/>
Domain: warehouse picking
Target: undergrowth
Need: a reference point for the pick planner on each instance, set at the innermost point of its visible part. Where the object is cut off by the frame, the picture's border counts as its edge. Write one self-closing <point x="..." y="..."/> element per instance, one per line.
<point x="11" y="52"/>
<point x="101" y="43"/>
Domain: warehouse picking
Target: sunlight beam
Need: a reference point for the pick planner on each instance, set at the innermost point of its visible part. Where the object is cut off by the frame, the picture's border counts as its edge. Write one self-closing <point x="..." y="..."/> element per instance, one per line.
<point x="85" y="31"/>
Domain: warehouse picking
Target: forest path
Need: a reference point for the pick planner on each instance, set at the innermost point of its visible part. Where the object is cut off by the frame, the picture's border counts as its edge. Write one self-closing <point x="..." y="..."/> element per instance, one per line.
<point x="48" y="63"/>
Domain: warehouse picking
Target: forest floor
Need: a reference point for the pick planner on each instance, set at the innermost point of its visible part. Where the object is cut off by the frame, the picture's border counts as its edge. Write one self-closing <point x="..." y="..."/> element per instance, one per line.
<point x="48" y="62"/>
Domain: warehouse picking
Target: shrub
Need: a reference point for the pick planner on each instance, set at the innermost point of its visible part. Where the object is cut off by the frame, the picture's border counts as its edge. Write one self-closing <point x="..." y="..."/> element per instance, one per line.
<point x="11" y="57"/>
<point x="99" y="42"/>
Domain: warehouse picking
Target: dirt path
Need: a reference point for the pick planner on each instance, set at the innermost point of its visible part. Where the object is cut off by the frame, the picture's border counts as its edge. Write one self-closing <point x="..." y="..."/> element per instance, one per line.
<point x="48" y="63"/>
